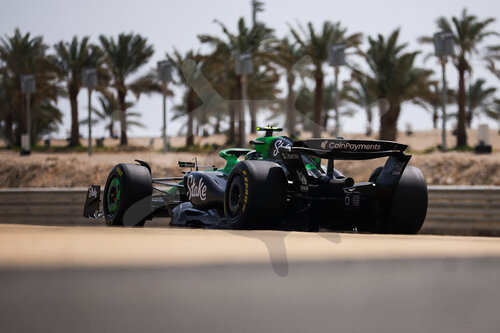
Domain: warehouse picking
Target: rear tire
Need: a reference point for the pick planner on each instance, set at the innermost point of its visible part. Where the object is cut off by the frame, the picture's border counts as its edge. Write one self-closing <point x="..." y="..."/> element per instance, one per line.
<point x="127" y="185"/>
<point x="408" y="206"/>
<point x="255" y="195"/>
<point x="375" y="173"/>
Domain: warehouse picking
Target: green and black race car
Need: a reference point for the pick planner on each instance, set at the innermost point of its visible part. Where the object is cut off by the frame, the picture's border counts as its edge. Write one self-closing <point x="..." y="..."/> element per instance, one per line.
<point x="280" y="184"/>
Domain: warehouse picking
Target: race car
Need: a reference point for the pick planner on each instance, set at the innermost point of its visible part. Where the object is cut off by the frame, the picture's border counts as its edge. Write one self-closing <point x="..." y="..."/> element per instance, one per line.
<point x="280" y="184"/>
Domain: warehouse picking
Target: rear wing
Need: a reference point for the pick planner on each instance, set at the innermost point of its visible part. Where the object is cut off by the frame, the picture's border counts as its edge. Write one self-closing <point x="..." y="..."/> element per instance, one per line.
<point x="340" y="149"/>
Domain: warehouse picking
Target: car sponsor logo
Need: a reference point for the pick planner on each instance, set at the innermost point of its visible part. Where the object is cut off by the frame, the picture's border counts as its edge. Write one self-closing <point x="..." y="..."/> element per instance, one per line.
<point x="245" y="197"/>
<point x="92" y="192"/>
<point x="196" y="188"/>
<point x="349" y="145"/>
<point x="279" y="144"/>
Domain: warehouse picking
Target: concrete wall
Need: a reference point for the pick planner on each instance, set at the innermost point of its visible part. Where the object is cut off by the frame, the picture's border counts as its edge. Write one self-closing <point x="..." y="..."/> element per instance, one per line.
<point x="459" y="210"/>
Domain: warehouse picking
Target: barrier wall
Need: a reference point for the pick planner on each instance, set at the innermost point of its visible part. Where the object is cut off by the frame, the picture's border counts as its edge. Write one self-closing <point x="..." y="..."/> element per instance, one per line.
<point x="458" y="210"/>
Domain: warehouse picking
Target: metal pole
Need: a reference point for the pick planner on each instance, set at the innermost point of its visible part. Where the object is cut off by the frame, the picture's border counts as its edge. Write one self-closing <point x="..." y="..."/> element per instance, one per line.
<point x="444" y="101"/>
<point x="241" y="126"/>
<point x="90" y="121"/>
<point x="28" y="120"/>
<point x="335" y="102"/>
<point x="164" y="134"/>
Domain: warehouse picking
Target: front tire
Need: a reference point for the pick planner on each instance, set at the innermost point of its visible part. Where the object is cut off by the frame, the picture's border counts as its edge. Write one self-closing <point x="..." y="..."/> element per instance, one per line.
<point x="255" y="195"/>
<point x="125" y="200"/>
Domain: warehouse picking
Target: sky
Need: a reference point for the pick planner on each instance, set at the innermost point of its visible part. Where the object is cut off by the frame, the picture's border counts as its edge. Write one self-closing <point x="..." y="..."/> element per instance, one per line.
<point x="170" y="24"/>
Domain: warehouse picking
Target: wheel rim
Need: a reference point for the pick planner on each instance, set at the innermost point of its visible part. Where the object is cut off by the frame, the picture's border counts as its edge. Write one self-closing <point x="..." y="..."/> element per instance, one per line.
<point x="235" y="196"/>
<point x="113" y="197"/>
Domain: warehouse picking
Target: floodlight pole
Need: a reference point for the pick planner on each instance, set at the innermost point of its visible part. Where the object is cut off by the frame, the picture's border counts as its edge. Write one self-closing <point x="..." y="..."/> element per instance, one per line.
<point x="164" y="128"/>
<point x="90" y="120"/>
<point x="28" y="120"/>
<point x="335" y="101"/>
<point x="165" y="75"/>
<point x="89" y="80"/>
<point x="336" y="55"/>
<point x="28" y="87"/>
<point x="444" y="96"/>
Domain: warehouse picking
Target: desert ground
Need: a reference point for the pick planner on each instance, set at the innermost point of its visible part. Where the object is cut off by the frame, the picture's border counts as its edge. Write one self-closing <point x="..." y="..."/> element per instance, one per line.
<point x="70" y="169"/>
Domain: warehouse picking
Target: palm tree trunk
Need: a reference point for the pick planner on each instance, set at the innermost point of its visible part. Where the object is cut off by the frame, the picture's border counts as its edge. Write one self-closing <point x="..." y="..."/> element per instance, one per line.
<point x="290" y="114"/>
<point x="461" y="132"/>
<point x="253" y="116"/>
<point x="369" y="120"/>
<point x="75" y="128"/>
<point x="190" y="108"/>
<point x="111" y="130"/>
<point x="123" y="117"/>
<point x="190" y="136"/>
<point x="469" y="118"/>
<point x="9" y="122"/>
<point x="318" y="104"/>
<point x="389" y="123"/>
<point x="435" y="117"/>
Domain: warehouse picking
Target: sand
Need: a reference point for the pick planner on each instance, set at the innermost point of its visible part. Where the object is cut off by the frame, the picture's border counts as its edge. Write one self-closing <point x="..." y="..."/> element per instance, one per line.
<point x="78" y="170"/>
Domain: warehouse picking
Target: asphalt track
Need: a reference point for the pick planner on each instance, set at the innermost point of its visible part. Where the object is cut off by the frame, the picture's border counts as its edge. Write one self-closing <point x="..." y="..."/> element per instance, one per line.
<point x="58" y="279"/>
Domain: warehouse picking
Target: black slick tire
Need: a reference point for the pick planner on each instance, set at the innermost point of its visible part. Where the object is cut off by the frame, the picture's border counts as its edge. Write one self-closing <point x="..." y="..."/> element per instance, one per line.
<point x="255" y="195"/>
<point x="127" y="195"/>
<point x="408" y="206"/>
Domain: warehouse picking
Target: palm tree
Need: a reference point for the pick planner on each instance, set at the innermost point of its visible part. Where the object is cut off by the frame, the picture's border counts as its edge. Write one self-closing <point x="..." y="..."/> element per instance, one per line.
<point x="316" y="46"/>
<point x="23" y="54"/>
<point x="3" y="113"/>
<point x="72" y="58"/>
<point x="190" y="99"/>
<point x="108" y="112"/>
<point x="124" y="57"/>
<point x="360" y="94"/>
<point x="493" y="112"/>
<point x="432" y="102"/>
<point x="287" y="55"/>
<point x="479" y="99"/>
<point x="257" y="40"/>
<point x="46" y="120"/>
<point x="304" y="103"/>
<point x="222" y="76"/>
<point x="469" y="33"/>
<point x="342" y="102"/>
<point x="394" y="78"/>
<point x="262" y="90"/>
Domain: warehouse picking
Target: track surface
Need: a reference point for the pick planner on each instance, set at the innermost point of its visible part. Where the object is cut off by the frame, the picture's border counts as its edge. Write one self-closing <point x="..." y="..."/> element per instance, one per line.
<point x="56" y="279"/>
